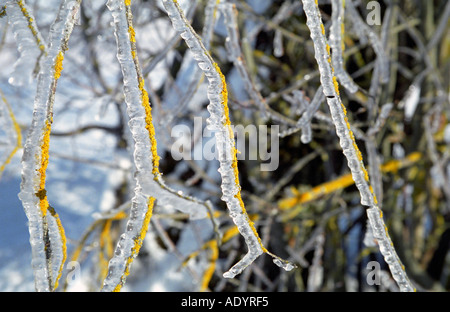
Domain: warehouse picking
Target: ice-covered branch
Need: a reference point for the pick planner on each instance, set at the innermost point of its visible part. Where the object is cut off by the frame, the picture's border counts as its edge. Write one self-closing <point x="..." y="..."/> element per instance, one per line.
<point x="348" y="143"/>
<point x="219" y="122"/>
<point x="337" y="45"/>
<point x="30" y="44"/>
<point x="45" y="229"/>
<point x="149" y="183"/>
<point x="189" y="67"/>
<point x="235" y="55"/>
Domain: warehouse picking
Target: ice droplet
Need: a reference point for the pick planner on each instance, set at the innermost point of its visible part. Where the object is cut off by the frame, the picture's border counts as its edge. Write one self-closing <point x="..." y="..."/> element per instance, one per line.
<point x="288" y="266"/>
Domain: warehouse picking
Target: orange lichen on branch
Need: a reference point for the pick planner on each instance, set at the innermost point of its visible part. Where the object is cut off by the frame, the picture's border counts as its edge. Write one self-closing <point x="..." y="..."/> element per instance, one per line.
<point x="63" y="243"/>
<point x="105" y="248"/>
<point x="207" y="275"/>
<point x="45" y="146"/>
<point x="150" y="128"/>
<point x="144" y="95"/>
<point x="58" y="65"/>
<point x="234" y="164"/>
<point x="138" y="240"/>
<point x="32" y="28"/>
<point x="105" y="241"/>
<point x="214" y="247"/>
<point x="342" y="182"/>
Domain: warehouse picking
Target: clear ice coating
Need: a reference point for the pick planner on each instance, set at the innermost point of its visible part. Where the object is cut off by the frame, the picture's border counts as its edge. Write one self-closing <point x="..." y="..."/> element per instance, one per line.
<point x="30" y="43"/>
<point x="379" y="232"/>
<point x="224" y="141"/>
<point x="190" y="73"/>
<point x="235" y="55"/>
<point x="284" y="264"/>
<point x="347" y="142"/>
<point x="330" y="90"/>
<point x="337" y="43"/>
<point x="148" y="183"/>
<point x="31" y="161"/>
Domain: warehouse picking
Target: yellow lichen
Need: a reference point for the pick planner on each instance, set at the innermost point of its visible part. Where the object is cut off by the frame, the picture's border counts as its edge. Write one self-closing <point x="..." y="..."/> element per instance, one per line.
<point x="137" y="242"/>
<point x="30" y="24"/>
<point x="45" y="145"/>
<point x="58" y="65"/>
<point x="132" y="34"/>
<point x="207" y="275"/>
<point x="150" y="128"/>
<point x="343" y="182"/>
<point x="63" y="242"/>
<point x="336" y="85"/>
<point x="227" y="123"/>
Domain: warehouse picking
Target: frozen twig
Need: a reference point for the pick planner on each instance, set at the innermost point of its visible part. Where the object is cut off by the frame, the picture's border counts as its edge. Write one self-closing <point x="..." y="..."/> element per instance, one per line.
<point x="220" y="123"/>
<point x="235" y="55"/>
<point x="149" y="183"/>
<point x="337" y="45"/>
<point x="348" y="144"/>
<point x="30" y="44"/>
<point x="43" y="230"/>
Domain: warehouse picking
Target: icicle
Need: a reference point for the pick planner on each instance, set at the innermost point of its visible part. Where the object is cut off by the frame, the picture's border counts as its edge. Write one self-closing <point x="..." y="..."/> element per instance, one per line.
<point x="348" y="143"/>
<point x="278" y="49"/>
<point x="35" y="156"/>
<point x="315" y="276"/>
<point x="337" y="45"/>
<point x="30" y="43"/>
<point x="220" y="123"/>
<point x="149" y="183"/>
<point x="412" y="96"/>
